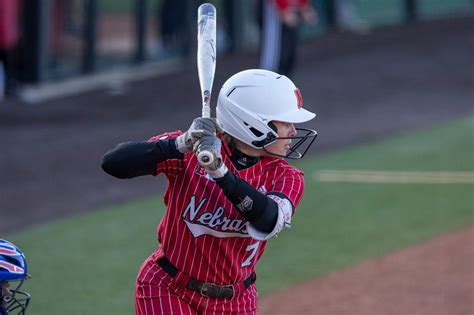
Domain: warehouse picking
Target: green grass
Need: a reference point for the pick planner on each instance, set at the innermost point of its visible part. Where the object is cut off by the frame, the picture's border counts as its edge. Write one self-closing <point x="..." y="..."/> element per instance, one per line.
<point x="340" y="224"/>
<point x="88" y="264"/>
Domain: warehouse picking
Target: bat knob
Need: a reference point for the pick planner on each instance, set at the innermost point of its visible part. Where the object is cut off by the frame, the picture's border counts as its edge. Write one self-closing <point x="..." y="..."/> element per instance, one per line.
<point x="205" y="158"/>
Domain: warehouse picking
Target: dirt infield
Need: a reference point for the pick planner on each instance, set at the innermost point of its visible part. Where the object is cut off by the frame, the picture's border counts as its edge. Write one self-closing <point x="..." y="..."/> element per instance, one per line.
<point x="432" y="278"/>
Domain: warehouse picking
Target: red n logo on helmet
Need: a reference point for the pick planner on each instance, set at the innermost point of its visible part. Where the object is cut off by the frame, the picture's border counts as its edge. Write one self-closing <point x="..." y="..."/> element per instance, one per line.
<point x="299" y="98"/>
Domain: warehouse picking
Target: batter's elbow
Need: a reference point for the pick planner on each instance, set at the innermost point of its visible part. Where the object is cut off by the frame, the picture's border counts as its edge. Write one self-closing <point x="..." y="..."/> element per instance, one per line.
<point x="112" y="166"/>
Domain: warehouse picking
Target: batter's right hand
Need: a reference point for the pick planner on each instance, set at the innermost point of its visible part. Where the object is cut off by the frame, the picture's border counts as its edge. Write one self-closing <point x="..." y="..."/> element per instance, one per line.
<point x="199" y="128"/>
<point x="213" y="145"/>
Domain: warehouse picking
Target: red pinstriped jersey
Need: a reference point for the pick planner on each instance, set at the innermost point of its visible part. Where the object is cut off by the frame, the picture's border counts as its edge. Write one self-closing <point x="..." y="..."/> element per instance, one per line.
<point x="202" y="233"/>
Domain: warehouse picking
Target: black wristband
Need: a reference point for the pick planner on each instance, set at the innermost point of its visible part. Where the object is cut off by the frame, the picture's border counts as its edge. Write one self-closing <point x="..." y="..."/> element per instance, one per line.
<point x="257" y="208"/>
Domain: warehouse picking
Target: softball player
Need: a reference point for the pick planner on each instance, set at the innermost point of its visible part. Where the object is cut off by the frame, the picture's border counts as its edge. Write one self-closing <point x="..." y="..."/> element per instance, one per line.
<point x="220" y="216"/>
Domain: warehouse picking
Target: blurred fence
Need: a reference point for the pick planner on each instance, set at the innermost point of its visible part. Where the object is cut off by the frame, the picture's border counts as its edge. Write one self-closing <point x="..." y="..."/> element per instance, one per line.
<point x="67" y="38"/>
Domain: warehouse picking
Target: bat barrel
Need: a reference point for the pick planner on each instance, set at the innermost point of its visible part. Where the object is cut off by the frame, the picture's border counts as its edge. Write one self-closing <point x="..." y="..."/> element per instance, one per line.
<point x="206" y="52"/>
<point x="206" y="9"/>
<point x="206" y="64"/>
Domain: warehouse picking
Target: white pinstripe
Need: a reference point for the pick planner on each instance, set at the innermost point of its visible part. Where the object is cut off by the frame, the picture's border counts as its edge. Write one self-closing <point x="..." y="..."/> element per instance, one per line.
<point x="180" y="309"/>
<point x="174" y="204"/>
<point x="138" y="308"/>
<point x="202" y="256"/>
<point x="174" y="200"/>
<point x="178" y="248"/>
<point x="159" y="288"/>
<point x="151" y="300"/>
<point x="184" y="254"/>
<point x="148" y="270"/>
<point x="244" y="299"/>
<point x="191" y="310"/>
<point x="200" y="301"/>
<point x="150" y="286"/>
<point x="217" y="256"/>
<point x="208" y="269"/>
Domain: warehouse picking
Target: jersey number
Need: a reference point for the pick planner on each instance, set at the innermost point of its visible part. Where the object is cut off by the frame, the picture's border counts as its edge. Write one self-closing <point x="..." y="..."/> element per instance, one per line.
<point x="253" y="251"/>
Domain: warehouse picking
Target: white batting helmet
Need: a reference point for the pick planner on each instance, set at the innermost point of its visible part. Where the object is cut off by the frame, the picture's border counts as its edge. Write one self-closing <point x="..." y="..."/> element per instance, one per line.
<point x="250" y="100"/>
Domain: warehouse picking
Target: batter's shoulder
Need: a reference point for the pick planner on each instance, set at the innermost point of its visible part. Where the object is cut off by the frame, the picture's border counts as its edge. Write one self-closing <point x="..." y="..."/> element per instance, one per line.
<point x="281" y="166"/>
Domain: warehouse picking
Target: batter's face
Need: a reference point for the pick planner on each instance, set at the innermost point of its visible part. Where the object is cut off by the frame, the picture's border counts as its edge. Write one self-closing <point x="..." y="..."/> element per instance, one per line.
<point x="281" y="146"/>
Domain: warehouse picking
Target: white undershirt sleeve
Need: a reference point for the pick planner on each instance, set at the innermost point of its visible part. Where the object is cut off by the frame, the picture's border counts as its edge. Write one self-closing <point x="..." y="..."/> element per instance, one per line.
<point x="285" y="211"/>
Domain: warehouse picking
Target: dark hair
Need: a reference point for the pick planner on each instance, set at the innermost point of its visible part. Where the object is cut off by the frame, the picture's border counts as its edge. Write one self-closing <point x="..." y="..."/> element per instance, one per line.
<point x="229" y="140"/>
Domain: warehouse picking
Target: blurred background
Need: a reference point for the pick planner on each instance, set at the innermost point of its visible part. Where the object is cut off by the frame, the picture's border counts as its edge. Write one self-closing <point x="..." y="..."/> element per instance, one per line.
<point x="54" y="40"/>
<point x="391" y="82"/>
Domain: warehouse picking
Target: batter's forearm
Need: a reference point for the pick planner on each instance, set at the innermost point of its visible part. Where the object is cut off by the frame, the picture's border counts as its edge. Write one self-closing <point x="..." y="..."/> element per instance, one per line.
<point x="132" y="159"/>
<point x="258" y="209"/>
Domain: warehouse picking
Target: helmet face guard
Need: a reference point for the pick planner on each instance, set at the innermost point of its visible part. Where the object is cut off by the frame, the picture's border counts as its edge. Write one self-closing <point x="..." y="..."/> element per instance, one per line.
<point x="13" y="300"/>
<point x="13" y="269"/>
<point x="300" y="144"/>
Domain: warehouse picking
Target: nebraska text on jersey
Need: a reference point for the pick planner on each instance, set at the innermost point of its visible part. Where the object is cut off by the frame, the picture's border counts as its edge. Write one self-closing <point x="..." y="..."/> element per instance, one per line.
<point x="212" y="221"/>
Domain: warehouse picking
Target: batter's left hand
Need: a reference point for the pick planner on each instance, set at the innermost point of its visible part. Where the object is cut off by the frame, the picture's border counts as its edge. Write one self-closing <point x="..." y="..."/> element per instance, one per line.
<point x="199" y="128"/>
